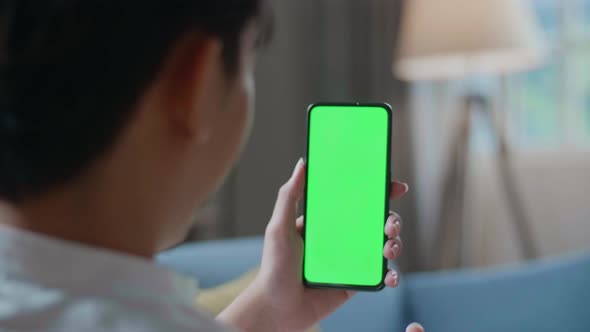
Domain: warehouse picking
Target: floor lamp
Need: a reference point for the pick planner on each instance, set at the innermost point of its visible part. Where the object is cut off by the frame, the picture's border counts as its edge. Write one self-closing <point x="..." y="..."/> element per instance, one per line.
<point x="455" y="39"/>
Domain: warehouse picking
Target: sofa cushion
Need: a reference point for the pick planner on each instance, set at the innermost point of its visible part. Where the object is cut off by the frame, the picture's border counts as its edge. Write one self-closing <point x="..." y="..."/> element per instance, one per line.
<point x="541" y="296"/>
<point x="214" y="262"/>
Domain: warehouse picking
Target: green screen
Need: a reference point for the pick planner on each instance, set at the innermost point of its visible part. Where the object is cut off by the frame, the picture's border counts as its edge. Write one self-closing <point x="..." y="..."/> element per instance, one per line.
<point x="346" y="195"/>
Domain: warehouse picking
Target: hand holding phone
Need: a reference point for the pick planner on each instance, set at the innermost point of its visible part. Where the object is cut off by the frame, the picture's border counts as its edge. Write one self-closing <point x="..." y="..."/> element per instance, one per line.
<point x="278" y="287"/>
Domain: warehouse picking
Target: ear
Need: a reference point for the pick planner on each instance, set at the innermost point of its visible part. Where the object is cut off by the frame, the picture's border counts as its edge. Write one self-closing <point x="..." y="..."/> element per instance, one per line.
<point x="194" y="80"/>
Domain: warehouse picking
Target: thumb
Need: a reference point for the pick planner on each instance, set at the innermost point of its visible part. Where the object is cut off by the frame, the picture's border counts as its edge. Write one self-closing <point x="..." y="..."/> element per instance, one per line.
<point x="415" y="327"/>
<point x="290" y="193"/>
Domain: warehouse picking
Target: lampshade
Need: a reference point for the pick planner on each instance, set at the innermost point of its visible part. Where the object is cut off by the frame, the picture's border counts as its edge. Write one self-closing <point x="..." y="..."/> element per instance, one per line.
<point x="448" y="39"/>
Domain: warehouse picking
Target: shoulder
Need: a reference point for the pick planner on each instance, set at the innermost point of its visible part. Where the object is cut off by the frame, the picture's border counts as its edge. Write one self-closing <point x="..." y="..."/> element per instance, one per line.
<point x="58" y="312"/>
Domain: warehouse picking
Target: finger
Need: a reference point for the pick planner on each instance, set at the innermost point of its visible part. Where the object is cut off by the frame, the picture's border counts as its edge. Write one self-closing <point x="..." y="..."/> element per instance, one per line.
<point x="286" y="205"/>
<point x="398" y="221"/>
<point x="393" y="225"/>
<point x="299" y="225"/>
<point x="391" y="279"/>
<point x="414" y="327"/>
<point x="398" y="189"/>
<point x="393" y="248"/>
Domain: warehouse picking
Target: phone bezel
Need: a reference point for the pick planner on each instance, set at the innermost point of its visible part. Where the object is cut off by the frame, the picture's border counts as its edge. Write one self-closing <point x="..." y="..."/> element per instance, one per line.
<point x="389" y="111"/>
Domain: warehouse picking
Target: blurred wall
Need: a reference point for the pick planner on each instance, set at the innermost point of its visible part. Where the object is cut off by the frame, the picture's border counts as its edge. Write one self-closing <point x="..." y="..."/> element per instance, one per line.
<point x="328" y="50"/>
<point x="554" y="189"/>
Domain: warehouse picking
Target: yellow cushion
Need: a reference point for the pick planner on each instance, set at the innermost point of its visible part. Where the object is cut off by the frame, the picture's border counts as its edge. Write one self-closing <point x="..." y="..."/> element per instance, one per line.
<point x="214" y="300"/>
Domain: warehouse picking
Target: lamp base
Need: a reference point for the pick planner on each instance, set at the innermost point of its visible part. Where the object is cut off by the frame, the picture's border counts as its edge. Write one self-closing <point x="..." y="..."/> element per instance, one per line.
<point x="450" y="233"/>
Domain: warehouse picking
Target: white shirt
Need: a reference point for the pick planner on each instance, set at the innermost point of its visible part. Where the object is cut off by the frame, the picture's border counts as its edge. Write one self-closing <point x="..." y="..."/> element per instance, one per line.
<point x="51" y="285"/>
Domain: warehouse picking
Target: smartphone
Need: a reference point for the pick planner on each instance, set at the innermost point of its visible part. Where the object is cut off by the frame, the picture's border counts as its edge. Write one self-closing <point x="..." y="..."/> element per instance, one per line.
<point x="346" y="200"/>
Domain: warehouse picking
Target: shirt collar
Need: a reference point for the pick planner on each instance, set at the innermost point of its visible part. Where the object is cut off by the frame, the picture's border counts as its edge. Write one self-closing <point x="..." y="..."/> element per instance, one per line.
<point x="83" y="269"/>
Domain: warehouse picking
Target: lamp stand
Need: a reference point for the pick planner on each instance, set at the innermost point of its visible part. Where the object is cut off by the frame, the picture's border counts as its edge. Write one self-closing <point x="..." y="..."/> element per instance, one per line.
<point x="450" y="234"/>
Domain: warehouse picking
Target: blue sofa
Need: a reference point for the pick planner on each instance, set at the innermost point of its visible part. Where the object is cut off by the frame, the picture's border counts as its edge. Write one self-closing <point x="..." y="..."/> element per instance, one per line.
<point x="548" y="295"/>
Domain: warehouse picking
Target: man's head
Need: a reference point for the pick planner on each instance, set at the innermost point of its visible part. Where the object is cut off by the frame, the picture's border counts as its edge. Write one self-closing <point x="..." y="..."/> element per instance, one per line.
<point x="146" y="98"/>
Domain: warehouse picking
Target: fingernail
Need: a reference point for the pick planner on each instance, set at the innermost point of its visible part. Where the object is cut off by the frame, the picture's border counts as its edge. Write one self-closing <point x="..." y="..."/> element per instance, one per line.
<point x="299" y="163"/>
<point x="416" y="326"/>
<point x="398" y="226"/>
<point x="395" y="249"/>
<point x="388" y="227"/>
<point x="395" y="278"/>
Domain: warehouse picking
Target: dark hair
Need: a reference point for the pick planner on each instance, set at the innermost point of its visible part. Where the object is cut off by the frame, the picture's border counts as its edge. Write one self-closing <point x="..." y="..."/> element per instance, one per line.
<point x="72" y="70"/>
